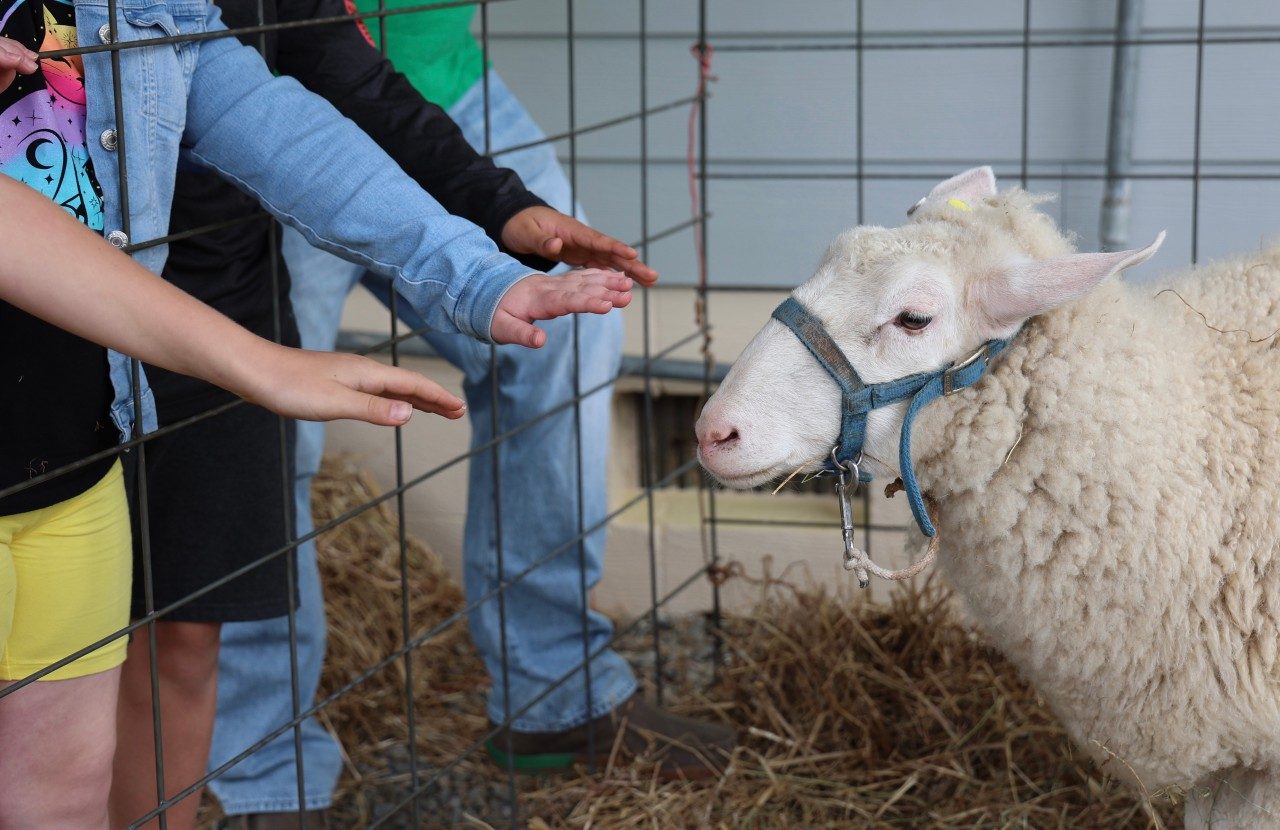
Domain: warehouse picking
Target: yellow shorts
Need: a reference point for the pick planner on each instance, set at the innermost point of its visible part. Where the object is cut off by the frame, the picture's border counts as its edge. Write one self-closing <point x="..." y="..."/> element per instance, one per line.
<point x="65" y="574"/>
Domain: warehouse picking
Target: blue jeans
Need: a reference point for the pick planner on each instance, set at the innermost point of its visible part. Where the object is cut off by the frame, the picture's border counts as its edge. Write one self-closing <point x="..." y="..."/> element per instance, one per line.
<point x="544" y="611"/>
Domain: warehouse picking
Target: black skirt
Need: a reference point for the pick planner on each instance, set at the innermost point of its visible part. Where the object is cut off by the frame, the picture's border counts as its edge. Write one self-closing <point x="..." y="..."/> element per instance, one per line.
<point x="217" y="500"/>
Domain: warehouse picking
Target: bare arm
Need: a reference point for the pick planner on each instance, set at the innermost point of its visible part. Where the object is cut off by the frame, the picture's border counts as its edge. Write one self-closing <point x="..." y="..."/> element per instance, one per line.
<point x="61" y="272"/>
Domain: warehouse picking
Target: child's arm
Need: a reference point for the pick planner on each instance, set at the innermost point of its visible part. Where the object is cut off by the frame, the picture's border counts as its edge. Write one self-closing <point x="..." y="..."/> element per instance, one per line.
<point x="318" y="172"/>
<point x="342" y="64"/>
<point x="66" y="275"/>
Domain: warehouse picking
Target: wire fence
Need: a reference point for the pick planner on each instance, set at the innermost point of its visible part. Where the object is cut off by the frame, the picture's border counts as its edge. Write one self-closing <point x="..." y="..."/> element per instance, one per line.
<point x="654" y="360"/>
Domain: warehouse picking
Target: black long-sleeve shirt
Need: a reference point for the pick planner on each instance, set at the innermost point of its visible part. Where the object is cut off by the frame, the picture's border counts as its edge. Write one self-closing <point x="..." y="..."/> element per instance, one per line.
<point x="230" y="268"/>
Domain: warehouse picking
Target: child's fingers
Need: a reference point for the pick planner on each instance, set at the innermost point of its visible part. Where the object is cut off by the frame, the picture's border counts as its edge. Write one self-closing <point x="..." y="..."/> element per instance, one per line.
<point x="570" y="301"/>
<point x="590" y="291"/>
<point x="588" y="238"/>
<point x="630" y="266"/>
<point x="636" y="269"/>
<point x="619" y="299"/>
<point x="365" y="390"/>
<point x="347" y="403"/>
<point x="615" y="280"/>
<point x="615" y="299"/>
<point x="427" y="396"/>
<point x="13" y="56"/>
<point x="509" y="329"/>
<point x="597" y="291"/>
<point x="398" y="384"/>
<point x="551" y="247"/>
<point x="594" y="250"/>
<point x="577" y="286"/>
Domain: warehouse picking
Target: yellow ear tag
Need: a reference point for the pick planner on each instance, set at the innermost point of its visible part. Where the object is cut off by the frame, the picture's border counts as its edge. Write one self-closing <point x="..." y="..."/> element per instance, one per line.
<point x="960" y="204"/>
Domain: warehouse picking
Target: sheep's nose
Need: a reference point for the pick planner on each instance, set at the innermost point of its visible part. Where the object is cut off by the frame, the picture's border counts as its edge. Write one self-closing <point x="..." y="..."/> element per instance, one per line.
<point x="715" y="435"/>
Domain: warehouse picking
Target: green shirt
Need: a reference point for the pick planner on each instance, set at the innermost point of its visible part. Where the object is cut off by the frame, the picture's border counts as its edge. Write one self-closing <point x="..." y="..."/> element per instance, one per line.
<point x="433" y="49"/>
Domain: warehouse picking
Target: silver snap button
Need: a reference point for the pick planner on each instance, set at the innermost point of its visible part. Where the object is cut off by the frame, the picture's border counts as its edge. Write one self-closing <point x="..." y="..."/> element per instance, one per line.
<point x="104" y="33"/>
<point x="118" y="238"/>
<point x="108" y="139"/>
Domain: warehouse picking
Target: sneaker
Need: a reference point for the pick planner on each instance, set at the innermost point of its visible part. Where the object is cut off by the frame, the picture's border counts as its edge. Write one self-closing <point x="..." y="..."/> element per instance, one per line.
<point x="682" y="747"/>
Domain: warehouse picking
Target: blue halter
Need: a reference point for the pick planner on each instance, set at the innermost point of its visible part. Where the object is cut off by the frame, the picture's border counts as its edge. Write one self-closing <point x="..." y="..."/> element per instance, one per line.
<point x="858" y="398"/>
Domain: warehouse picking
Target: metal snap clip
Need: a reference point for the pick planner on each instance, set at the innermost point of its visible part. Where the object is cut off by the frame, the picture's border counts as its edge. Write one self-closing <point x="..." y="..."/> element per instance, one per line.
<point x="854" y="559"/>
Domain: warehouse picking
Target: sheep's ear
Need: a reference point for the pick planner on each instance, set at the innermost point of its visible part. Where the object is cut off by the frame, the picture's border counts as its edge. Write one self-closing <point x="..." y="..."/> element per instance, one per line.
<point x="1027" y="290"/>
<point x="972" y="185"/>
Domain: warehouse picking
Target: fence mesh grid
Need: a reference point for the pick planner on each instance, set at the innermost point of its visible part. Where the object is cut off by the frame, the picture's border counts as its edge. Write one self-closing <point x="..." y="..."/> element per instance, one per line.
<point x="1020" y="36"/>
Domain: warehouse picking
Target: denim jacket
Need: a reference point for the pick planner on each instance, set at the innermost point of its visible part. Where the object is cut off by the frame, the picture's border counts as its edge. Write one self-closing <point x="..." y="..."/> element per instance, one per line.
<point x="216" y="102"/>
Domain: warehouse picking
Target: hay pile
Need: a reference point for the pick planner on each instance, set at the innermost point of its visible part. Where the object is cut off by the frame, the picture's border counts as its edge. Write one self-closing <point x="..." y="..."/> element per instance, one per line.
<point x="855" y="716"/>
<point x="870" y="717"/>
<point x="360" y="566"/>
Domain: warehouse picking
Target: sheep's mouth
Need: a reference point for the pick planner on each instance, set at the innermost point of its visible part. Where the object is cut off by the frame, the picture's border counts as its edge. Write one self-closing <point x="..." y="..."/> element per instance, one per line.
<point x="776" y="471"/>
<point x="763" y="475"/>
<point x="741" y="481"/>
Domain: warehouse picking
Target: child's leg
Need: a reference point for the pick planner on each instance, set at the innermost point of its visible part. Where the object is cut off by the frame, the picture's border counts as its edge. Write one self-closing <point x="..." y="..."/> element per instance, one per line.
<point x="58" y="738"/>
<point x="187" y="665"/>
<point x="64" y="585"/>
<point x="216" y="504"/>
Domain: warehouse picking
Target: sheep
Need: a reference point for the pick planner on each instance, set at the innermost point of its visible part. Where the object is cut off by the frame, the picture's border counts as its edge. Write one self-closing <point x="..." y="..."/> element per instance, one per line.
<point x="1106" y="495"/>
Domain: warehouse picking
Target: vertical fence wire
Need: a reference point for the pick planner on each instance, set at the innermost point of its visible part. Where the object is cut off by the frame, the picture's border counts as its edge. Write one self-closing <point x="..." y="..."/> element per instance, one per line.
<point x="587" y="702"/>
<point x="700" y="228"/>
<point x="406" y="615"/>
<point x="287" y="501"/>
<point x="495" y="424"/>
<point x="1024" y="160"/>
<point x="648" y="463"/>
<point x="1195" y="147"/>
<point x="858" y="114"/>
<point x="135" y="382"/>
<point x="860" y="160"/>
<point x="291" y="558"/>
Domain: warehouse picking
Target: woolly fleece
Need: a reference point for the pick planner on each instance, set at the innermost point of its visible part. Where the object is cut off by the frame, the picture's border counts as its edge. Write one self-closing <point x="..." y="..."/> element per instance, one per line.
<point x="1107" y="504"/>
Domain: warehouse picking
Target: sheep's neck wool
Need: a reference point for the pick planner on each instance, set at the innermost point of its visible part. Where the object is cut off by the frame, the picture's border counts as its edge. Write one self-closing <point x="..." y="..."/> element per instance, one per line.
<point x="857" y="399"/>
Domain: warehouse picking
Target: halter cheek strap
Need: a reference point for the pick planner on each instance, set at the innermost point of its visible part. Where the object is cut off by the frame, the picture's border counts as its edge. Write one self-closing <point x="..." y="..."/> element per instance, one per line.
<point x="854" y="402"/>
<point x="858" y="398"/>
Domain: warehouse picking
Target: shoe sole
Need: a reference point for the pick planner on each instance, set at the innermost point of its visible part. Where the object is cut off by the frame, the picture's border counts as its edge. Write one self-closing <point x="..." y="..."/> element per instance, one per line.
<point x="553" y="762"/>
<point x="542" y="763"/>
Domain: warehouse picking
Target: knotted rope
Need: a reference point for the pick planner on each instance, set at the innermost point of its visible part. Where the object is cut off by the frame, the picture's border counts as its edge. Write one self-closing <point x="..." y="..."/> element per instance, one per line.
<point x="860" y="562"/>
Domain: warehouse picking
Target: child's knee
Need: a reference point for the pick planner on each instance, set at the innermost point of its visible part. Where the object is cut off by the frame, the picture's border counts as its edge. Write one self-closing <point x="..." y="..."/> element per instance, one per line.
<point x="66" y="782"/>
<point x="186" y="655"/>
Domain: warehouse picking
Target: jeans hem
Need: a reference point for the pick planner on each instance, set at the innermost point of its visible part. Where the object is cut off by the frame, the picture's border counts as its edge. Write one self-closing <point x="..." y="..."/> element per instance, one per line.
<point x="604" y="704"/>
<point x="313" y="801"/>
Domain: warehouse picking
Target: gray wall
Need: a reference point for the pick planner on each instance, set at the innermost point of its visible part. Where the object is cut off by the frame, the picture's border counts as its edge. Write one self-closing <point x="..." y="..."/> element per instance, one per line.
<point x="926" y="111"/>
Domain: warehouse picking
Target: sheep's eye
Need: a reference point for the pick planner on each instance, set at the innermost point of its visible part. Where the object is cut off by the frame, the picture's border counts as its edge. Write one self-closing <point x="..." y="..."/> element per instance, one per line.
<point x="913" y="320"/>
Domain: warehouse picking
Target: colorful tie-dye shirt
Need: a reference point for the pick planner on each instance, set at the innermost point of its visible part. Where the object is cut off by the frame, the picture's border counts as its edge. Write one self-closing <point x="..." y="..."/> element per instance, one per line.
<point x="55" y="391"/>
<point x="42" y="140"/>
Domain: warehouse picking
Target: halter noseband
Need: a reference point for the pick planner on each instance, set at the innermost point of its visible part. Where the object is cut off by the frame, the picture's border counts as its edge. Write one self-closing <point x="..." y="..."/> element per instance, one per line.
<point x="858" y="398"/>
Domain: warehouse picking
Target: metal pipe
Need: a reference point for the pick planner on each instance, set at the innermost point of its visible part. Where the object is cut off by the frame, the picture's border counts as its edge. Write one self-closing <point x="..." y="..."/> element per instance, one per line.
<point x="1114" y="226"/>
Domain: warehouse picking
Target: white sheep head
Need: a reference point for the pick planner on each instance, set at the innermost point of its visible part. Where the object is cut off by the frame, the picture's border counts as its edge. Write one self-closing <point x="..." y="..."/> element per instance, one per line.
<point x="969" y="266"/>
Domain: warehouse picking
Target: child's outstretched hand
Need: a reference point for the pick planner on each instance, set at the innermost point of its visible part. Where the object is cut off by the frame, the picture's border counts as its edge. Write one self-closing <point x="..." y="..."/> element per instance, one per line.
<point x="549" y="233"/>
<point x="539" y="297"/>
<point x="14" y="58"/>
<point x="322" y="386"/>
<point x="129" y="309"/>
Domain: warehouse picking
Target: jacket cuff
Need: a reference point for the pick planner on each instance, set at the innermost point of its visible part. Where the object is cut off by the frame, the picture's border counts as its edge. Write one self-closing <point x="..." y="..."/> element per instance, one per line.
<point x="478" y="302"/>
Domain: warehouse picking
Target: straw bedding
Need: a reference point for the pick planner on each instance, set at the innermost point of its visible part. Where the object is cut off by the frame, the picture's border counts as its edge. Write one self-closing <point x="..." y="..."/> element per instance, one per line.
<point x="854" y="715"/>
